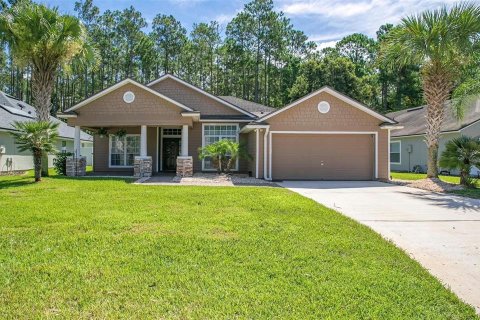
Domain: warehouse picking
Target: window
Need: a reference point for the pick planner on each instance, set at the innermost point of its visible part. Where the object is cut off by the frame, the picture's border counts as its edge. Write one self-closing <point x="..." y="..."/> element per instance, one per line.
<point x="64" y="146"/>
<point x="123" y="150"/>
<point x="216" y="132"/>
<point x="395" y="152"/>
<point x="172" y="132"/>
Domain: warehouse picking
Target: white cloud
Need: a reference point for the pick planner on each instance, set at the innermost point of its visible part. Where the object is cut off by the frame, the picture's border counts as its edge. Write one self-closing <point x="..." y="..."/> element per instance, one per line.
<point x="328" y="8"/>
<point x="223" y="19"/>
<point x="324" y="37"/>
<point x="348" y="16"/>
<point x="326" y="44"/>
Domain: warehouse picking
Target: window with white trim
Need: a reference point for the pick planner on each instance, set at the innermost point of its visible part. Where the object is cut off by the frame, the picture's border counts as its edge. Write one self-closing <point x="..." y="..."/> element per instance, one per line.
<point x="123" y="150"/>
<point x="395" y="152"/>
<point x="216" y="132"/>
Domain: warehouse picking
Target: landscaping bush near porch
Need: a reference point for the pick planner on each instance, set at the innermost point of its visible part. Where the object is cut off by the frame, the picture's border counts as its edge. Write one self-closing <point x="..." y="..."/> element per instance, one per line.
<point x="105" y="248"/>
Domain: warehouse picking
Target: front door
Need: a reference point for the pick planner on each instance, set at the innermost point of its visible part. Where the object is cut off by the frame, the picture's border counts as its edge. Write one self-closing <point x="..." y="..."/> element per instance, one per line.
<point x="171" y="149"/>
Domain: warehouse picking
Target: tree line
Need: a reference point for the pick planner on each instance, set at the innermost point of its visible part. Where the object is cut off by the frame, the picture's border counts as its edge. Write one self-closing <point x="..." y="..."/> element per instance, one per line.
<point x="258" y="56"/>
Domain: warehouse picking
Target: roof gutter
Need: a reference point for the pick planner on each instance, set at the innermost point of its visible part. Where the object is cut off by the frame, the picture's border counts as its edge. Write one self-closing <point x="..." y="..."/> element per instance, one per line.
<point x="391" y="126"/>
<point x="251" y="127"/>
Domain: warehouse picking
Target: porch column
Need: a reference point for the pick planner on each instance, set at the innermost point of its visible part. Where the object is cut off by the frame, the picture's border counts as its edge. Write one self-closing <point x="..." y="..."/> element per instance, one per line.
<point x="142" y="166"/>
<point x="184" y="161"/>
<point x="76" y="142"/>
<point x="76" y="165"/>
<point x="184" y="151"/>
<point x="143" y="141"/>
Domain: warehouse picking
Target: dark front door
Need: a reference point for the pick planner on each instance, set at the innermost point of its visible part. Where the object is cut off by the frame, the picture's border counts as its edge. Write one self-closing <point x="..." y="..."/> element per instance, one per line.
<point x="171" y="148"/>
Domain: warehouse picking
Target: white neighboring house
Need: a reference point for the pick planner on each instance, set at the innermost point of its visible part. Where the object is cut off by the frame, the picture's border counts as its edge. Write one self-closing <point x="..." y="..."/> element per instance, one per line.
<point x="407" y="146"/>
<point x="11" y="159"/>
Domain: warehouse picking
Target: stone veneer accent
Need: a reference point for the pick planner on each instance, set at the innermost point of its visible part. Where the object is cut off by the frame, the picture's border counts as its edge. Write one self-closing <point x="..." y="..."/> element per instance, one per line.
<point x="142" y="167"/>
<point x="76" y="166"/>
<point x="184" y="166"/>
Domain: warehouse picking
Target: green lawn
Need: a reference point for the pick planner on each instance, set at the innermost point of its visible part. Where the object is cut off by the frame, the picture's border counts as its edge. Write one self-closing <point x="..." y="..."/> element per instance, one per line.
<point x="418" y="176"/>
<point x="105" y="248"/>
<point x="472" y="193"/>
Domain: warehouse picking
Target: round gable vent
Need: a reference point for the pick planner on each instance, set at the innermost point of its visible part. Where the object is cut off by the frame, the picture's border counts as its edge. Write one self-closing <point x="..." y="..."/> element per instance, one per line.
<point x="323" y="107"/>
<point x="128" y="97"/>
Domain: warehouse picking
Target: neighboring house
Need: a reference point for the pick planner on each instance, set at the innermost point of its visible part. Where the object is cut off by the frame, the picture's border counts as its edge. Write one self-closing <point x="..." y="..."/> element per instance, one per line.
<point x="408" y="149"/>
<point x="324" y="135"/>
<point x="12" y="109"/>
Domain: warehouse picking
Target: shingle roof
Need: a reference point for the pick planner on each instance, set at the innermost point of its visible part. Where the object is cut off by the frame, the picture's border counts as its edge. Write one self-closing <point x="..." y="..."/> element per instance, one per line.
<point x="413" y="120"/>
<point x="12" y="109"/>
<point x="252" y="107"/>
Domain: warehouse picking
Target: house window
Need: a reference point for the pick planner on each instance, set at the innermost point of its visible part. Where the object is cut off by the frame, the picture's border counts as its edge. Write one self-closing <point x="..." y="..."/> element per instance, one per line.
<point x="123" y="150"/>
<point x="64" y="146"/>
<point x="216" y="132"/>
<point x="395" y="152"/>
<point x="172" y="132"/>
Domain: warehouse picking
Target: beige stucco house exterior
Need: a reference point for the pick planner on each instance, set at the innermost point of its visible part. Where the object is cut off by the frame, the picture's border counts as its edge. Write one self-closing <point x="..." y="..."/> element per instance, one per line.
<point x="324" y="135"/>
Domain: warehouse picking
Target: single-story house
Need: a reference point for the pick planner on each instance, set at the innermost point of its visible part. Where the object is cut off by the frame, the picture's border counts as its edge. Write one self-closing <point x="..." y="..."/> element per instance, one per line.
<point x="11" y="159"/>
<point x="408" y="150"/>
<point x="324" y="135"/>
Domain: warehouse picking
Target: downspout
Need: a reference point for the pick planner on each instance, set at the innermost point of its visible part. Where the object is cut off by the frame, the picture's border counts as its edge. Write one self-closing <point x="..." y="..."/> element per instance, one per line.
<point x="265" y="175"/>
<point x="257" y="151"/>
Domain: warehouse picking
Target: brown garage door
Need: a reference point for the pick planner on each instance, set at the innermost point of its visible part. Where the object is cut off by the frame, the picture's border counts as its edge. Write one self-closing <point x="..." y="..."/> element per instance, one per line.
<point x="323" y="156"/>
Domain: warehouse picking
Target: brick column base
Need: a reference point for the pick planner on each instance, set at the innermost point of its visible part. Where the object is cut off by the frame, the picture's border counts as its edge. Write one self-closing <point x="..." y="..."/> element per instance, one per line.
<point x="76" y="166"/>
<point x="184" y="166"/>
<point x="142" y="167"/>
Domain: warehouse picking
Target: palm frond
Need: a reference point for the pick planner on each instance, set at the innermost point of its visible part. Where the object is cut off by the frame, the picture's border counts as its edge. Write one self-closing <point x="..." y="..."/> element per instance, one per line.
<point x="35" y="136"/>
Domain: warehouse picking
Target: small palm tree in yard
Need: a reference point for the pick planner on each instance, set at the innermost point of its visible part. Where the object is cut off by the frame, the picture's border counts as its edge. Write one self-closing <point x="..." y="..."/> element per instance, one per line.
<point x="462" y="153"/>
<point x="37" y="137"/>
<point x="441" y="42"/>
<point x="224" y="154"/>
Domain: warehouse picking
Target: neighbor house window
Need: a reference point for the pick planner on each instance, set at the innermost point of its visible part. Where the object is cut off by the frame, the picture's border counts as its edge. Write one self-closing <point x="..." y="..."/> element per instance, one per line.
<point x="216" y="132"/>
<point x="123" y="150"/>
<point x="395" y="152"/>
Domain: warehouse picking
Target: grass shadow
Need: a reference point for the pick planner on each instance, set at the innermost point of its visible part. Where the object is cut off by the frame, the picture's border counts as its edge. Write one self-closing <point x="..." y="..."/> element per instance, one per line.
<point x="22" y="182"/>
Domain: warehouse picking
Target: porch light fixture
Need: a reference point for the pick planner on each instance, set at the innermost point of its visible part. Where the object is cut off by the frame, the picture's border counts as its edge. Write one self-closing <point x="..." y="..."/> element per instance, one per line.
<point x="323" y="107"/>
<point x="128" y="97"/>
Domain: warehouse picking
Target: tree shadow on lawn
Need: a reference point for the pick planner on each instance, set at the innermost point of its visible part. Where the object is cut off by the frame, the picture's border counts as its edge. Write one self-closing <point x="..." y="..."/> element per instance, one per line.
<point x="93" y="178"/>
<point x="26" y="180"/>
<point x="21" y="181"/>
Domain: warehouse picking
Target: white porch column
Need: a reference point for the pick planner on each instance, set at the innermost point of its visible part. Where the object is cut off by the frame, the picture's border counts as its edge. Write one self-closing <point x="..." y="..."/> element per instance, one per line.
<point x="184" y="151"/>
<point x="76" y="142"/>
<point x="143" y="141"/>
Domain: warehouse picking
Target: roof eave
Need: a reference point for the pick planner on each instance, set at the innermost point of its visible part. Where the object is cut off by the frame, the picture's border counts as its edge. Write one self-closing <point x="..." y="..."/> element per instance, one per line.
<point x="336" y="94"/>
<point x="254" y="126"/>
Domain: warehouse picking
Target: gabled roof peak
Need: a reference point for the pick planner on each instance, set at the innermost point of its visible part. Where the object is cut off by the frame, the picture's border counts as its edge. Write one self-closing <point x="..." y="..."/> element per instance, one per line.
<point x="219" y="99"/>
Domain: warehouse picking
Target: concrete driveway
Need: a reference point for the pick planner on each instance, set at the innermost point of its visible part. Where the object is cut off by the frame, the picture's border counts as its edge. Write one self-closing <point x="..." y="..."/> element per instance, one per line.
<point x="440" y="231"/>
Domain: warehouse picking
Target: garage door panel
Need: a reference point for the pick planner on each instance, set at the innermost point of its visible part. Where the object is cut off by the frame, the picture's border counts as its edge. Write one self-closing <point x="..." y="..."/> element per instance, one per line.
<point x="323" y="157"/>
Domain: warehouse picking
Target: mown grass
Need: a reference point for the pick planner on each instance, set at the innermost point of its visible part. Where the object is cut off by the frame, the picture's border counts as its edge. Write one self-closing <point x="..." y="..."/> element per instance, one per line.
<point x="105" y="248"/>
<point x="471" y="192"/>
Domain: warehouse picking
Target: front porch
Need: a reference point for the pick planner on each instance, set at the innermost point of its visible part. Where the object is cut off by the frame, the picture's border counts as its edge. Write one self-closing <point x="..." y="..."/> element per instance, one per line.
<point x="140" y="151"/>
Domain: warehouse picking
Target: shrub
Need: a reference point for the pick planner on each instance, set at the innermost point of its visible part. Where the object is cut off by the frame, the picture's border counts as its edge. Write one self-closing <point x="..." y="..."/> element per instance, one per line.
<point x="461" y="153"/>
<point x="60" y="162"/>
<point x="224" y="154"/>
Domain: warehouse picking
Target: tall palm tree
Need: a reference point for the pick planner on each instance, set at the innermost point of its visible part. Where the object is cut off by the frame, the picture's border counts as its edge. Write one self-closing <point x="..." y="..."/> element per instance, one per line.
<point x="40" y="37"/>
<point x="38" y="137"/>
<point x="441" y="42"/>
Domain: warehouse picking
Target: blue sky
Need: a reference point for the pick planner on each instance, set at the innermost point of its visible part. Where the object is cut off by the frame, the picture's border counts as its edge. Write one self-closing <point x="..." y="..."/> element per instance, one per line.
<point x="324" y="21"/>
